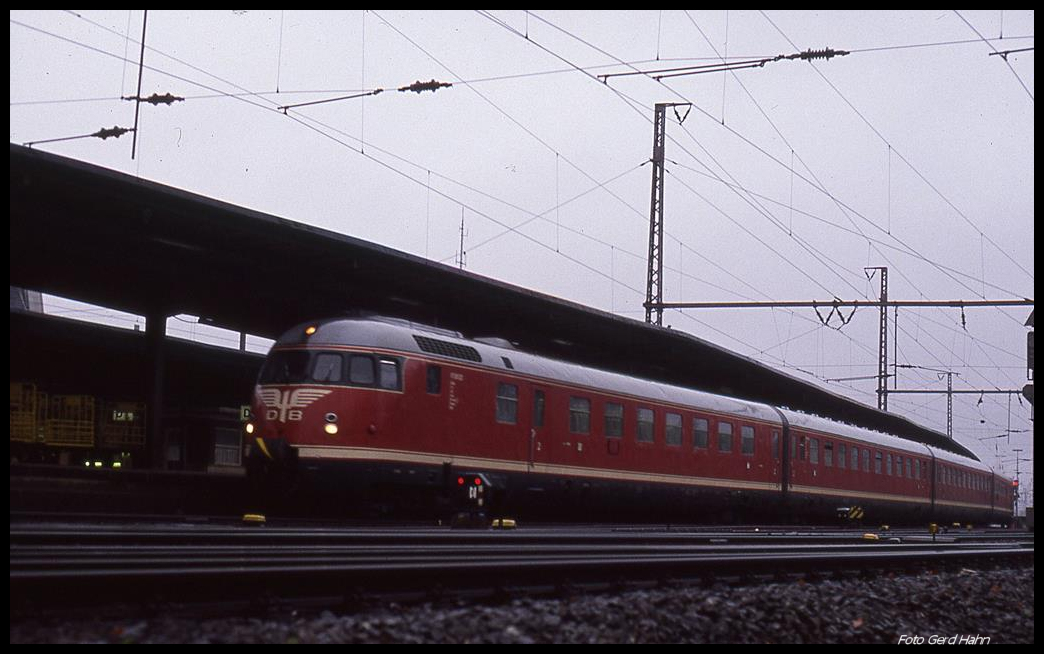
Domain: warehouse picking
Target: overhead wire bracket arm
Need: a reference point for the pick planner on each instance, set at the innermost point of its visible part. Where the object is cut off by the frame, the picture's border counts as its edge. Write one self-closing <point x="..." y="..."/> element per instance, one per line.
<point x="1004" y="53"/>
<point x="807" y="55"/>
<point x="344" y="97"/>
<point x="416" y="87"/>
<point x="103" y="134"/>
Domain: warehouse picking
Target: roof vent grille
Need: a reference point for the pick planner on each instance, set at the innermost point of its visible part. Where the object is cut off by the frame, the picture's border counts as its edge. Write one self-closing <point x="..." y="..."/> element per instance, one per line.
<point x="447" y="349"/>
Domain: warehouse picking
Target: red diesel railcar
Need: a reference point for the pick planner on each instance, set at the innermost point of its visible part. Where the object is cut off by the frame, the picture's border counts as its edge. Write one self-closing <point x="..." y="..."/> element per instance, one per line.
<point x="382" y="412"/>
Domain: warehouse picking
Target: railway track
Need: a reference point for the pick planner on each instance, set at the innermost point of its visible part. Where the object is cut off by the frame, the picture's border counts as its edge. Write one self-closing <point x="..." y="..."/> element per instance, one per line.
<point x="54" y="565"/>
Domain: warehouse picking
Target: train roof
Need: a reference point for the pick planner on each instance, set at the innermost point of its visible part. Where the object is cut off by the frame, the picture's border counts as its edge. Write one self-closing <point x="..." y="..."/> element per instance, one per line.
<point x="824" y="425"/>
<point x="892" y="442"/>
<point x="404" y="336"/>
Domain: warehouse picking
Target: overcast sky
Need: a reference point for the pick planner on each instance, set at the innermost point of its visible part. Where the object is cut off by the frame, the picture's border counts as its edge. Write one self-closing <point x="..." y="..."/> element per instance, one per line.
<point x="783" y="182"/>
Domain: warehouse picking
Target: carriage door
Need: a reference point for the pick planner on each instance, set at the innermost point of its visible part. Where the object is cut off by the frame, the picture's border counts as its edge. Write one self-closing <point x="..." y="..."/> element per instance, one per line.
<point x="538" y="449"/>
<point x="777" y="462"/>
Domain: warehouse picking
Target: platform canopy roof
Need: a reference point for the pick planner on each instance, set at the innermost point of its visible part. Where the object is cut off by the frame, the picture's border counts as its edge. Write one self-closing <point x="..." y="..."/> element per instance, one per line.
<point x="92" y="234"/>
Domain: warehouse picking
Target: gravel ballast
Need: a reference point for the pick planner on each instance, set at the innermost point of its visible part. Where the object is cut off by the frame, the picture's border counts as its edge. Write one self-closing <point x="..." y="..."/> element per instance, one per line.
<point x="968" y="606"/>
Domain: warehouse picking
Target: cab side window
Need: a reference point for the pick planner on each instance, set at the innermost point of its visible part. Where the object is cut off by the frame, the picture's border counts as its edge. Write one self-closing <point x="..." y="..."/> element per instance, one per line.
<point x="328" y="368"/>
<point x="361" y="370"/>
<point x="389" y="375"/>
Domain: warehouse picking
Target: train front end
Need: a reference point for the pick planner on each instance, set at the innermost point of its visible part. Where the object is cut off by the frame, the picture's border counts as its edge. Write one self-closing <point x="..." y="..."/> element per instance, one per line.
<point x="322" y="393"/>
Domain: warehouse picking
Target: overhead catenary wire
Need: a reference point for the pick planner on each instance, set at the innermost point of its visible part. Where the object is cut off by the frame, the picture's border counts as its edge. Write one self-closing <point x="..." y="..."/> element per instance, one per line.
<point x="907" y="161"/>
<point x="630" y="102"/>
<point x="567" y="61"/>
<point x="818" y="185"/>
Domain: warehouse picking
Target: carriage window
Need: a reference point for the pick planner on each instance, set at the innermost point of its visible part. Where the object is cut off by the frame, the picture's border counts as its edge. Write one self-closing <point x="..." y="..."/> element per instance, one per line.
<point x="775" y="444"/>
<point x="700" y="431"/>
<point x="434" y="379"/>
<point x="801" y="448"/>
<point x="813" y="450"/>
<point x="724" y="436"/>
<point x="507" y="403"/>
<point x="877" y="463"/>
<point x="855" y="459"/>
<point x="360" y="370"/>
<point x="328" y="367"/>
<point x="841" y="453"/>
<point x="828" y="453"/>
<point x="674" y="429"/>
<point x="389" y="379"/>
<point x="747" y="440"/>
<point x="898" y="466"/>
<point x="646" y="424"/>
<point x="888" y="464"/>
<point x="866" y="460"/>
<point x="613" y="420"/>
<point x="579" y="415"/>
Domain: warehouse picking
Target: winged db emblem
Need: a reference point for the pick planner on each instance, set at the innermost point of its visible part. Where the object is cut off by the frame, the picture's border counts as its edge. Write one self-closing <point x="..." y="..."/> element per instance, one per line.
<point x="284" y="405"/>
